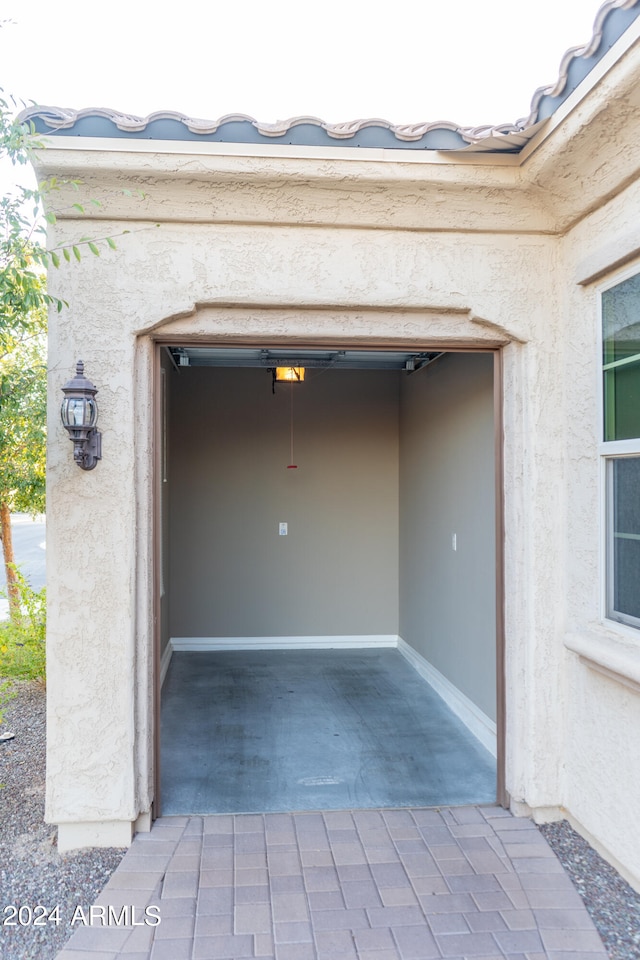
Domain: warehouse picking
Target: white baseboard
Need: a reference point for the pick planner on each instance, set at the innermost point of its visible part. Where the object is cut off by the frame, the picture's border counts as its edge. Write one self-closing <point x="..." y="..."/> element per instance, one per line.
<point x="480" y="725"/>
<point x="282" y="643"/>
<point x="165" y="660"/>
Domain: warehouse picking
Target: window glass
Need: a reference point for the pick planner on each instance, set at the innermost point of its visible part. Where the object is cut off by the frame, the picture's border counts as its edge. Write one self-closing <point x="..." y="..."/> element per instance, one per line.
<point x="624" y="543"/>
<point x="621" y="359"/>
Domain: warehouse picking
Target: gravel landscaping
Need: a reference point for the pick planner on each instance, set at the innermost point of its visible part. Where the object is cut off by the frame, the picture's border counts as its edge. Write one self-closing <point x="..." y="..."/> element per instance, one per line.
<point x="614" y="905"/>
<point x="32" y="871"/>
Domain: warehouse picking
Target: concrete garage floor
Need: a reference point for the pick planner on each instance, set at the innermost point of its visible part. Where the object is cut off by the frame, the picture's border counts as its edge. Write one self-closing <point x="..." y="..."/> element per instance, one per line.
<point x="281" y="731"/>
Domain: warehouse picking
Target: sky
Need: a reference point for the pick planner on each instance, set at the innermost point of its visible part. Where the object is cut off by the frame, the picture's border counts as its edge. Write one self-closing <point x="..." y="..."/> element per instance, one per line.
<point x="468" y="61"/>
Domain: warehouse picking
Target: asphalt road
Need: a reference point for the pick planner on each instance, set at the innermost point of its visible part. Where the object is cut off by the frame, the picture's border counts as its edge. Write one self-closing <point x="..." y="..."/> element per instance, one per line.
<point x="29" y="542"/>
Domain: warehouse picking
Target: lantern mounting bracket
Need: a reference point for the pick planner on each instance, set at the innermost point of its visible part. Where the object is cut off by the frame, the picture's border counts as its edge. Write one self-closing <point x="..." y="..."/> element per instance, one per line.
<point x="87" y="453"/>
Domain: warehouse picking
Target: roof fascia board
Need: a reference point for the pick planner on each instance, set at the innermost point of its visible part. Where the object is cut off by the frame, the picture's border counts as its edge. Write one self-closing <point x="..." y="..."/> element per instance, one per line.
<point x="184" y="148"/>
<point x="625" y="42"/>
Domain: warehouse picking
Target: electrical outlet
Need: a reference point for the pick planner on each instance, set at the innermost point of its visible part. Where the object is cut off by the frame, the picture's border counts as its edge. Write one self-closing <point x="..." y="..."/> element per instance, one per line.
<point x="283" y="529"/>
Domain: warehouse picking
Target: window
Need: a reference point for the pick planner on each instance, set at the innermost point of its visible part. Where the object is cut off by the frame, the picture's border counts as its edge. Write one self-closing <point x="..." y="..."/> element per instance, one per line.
<point x="621" y="447"/>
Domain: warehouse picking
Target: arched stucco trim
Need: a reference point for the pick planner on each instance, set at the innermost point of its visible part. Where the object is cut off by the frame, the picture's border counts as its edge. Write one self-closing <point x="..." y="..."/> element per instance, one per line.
<point x="455" y="326"/>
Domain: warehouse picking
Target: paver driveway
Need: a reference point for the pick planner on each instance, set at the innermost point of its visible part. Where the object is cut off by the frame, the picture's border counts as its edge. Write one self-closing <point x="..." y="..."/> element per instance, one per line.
<point x="402" y="884"/>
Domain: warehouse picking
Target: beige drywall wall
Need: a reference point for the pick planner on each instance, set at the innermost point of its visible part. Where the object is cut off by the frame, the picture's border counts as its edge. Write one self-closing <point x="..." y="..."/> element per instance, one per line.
<point x="447" y="489"/>
<point x="336" y="571"/>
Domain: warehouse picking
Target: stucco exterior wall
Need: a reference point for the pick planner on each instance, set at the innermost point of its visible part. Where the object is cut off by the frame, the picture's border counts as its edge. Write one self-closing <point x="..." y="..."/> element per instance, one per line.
<point x="282" y="284"/>
<point x="280" y="249"/>
<point x="602" y="765"/>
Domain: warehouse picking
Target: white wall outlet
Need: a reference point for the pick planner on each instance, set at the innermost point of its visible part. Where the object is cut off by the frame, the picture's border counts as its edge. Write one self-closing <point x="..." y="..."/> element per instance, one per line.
<point x="454" y="541"/>
<point x="283" y="529"/>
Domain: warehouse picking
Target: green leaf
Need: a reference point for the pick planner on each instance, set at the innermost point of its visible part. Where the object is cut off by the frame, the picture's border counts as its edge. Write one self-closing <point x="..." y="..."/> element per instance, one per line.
<point x="66" y="254"/>
<point x="94" y="249"/>
<point x="50" y="217"/>
<point x="78" y="206"/>
<point x="111" y="242"/>
<point x="76" y="253"/>
<point x="55" y="259"/>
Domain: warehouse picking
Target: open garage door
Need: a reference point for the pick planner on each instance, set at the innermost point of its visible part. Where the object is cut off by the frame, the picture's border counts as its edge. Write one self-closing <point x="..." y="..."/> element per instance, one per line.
<point x="328" y="579"/>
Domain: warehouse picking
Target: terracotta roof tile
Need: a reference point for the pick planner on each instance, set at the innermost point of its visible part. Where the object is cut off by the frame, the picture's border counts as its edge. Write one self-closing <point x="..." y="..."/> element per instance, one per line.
<point x="612" y="19"/>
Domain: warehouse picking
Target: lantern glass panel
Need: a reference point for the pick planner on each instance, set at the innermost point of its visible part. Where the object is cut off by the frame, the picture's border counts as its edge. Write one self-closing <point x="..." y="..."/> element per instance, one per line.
<point x="91" y="413"/>
<point x="79" y="412"/>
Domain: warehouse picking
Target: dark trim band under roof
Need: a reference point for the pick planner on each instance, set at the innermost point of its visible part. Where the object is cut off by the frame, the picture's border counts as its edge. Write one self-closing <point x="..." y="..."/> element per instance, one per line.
<point x="612" y="20"/>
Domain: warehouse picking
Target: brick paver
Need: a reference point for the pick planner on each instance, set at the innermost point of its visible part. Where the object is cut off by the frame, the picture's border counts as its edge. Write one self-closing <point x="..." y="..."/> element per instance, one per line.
<point x="457" y="883"/>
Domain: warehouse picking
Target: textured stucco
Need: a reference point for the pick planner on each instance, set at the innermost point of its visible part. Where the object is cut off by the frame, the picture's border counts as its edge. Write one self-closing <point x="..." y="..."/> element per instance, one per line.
<point x="602" y="768"/>
<point x="446" y="254"/>
<point x="279" y="285"/>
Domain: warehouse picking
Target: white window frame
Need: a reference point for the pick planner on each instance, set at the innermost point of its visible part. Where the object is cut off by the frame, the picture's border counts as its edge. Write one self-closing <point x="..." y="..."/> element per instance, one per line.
<point x="609" y="451"/>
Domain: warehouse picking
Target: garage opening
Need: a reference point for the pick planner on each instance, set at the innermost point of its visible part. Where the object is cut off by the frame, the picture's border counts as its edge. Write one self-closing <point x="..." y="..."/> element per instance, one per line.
<point x="328" y="579"/>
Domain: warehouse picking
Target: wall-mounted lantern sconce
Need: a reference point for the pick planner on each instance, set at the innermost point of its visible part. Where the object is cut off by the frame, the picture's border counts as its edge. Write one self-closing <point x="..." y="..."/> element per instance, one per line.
<point x="79" y="414"/>
<point x="289" y="374"/>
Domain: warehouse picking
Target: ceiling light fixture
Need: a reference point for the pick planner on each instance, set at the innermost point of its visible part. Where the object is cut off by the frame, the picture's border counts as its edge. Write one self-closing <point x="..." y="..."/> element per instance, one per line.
<point x="289" y="374"/>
